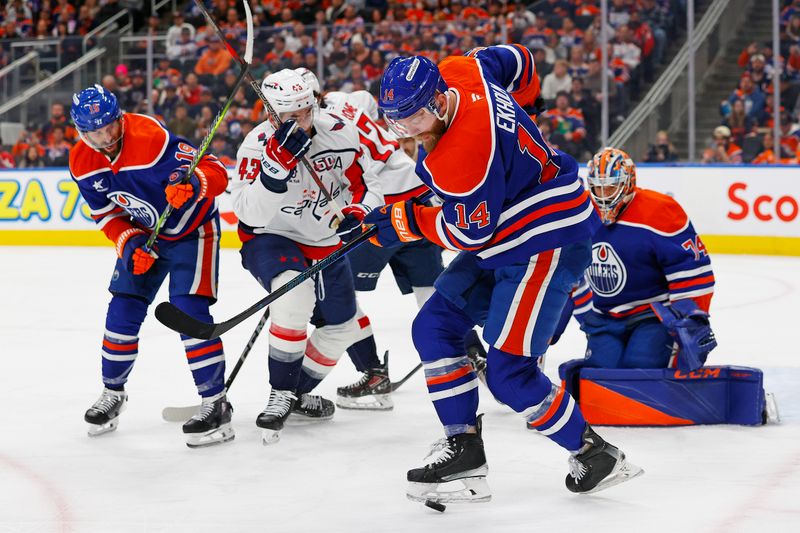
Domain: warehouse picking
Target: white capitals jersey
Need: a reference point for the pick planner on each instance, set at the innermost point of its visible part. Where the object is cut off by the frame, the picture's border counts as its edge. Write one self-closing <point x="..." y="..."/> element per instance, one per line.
<point x="302" y="213"/>
<point x="395" y="170"/>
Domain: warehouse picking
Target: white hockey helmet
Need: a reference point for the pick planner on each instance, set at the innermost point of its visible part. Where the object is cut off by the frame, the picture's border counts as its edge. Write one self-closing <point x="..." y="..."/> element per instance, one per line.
<point x="310" y="78"/>
<point x="286" y="91"/>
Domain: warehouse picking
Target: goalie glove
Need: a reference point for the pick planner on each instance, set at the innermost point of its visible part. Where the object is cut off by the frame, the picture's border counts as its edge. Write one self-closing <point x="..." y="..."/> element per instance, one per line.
<point x="692" y="330"/>
<point x="283" y="151"/>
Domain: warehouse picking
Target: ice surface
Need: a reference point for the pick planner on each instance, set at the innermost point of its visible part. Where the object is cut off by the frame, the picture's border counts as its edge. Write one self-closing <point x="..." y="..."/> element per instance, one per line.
<point x="349" y="474"/>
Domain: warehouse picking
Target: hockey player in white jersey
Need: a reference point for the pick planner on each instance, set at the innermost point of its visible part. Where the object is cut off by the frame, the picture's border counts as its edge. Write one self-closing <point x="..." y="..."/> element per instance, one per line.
<point x="415" y="265"/>
<point x="286" y="223"/>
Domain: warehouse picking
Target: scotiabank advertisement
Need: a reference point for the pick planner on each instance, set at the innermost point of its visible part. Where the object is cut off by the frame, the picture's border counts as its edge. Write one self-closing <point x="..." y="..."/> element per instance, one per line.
<point x="736" y="209"/>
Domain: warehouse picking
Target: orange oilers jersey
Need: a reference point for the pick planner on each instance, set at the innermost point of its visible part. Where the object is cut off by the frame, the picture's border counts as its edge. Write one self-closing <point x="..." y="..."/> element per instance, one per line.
<point x="129" y="191"/>
<point x="507" y="195"/>
<point x="650" y="254"/>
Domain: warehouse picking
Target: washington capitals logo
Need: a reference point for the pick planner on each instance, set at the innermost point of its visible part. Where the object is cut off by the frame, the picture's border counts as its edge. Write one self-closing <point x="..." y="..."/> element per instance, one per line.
<point x="337" y="125"/>
<point x="607" y="273"/>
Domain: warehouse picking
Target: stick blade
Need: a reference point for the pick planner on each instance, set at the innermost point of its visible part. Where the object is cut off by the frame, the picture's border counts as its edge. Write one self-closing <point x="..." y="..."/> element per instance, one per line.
<point x="177" y="320"/>
<point x="179" y="414"/>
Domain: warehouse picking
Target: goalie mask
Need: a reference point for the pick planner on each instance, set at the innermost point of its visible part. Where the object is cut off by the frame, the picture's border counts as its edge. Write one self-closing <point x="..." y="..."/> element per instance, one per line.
<point x="612" y="182"/>
<point x="291" y="97"/>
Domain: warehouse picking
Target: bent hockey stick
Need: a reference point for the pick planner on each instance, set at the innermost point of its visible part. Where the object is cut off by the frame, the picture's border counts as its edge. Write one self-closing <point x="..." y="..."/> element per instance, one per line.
<point x="182" y="414"/>
<point x="175" y="319"/>
<point x="201" y="150"/>
<point x="273" y="115"/>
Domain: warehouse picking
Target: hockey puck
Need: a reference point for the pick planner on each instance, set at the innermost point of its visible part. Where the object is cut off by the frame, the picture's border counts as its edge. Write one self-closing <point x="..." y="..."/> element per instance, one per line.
<point x="436" y="506"/>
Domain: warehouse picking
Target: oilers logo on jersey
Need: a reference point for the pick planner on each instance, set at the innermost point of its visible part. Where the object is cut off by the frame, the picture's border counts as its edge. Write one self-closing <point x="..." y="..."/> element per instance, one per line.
<point x="144" y="213"/>
<point x="607" y="273"/>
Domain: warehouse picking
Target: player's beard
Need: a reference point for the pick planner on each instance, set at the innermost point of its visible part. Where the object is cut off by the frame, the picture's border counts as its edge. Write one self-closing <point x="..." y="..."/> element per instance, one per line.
<point x="431" y="138"/>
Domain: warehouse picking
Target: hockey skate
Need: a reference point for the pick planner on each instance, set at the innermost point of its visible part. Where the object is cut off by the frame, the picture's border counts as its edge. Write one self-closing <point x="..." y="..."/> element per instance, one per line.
<point x="373" y="392"/>
<point x="598" y="465"/>
<point x="103" y="416"/>
<point x="456" y="475"/>
<point x="211" y="424"/>
<point x="272" y="418"/>
<point x="313" y="408"/>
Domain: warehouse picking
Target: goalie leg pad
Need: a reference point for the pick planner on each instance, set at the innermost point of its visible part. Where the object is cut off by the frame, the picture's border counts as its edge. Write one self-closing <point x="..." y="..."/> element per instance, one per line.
<point x="671" y="397"/>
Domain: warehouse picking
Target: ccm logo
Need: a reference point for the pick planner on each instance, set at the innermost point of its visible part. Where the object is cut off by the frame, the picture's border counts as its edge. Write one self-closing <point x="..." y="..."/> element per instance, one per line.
<point x="700" y="373"/>
<point x="764" y="206"/>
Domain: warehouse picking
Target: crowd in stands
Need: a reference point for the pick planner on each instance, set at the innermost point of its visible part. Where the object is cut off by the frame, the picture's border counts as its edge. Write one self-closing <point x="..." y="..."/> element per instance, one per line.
<point x="355" y="40"/>
<point x="746" y="131"/>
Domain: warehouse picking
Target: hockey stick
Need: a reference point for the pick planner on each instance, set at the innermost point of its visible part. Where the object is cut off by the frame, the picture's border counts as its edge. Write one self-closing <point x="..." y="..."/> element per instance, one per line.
<point x="201" y="150"/>
<point x="396" y="384"/>
<point x="182" y="414"/>
<point x="273" y="115"/>
<point x="177" y="320"/>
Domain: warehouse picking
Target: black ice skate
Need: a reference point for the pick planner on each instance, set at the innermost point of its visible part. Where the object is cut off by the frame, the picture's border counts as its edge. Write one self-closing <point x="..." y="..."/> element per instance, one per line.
<point x="598" y="465"/>
<point x="103" y="416"/>
<point x="313" y="407"/>
<point x="272" y="418"/>
<point x="462" y="461"/>
<point x="372" y="392"/>
<point x="211" y="424"/>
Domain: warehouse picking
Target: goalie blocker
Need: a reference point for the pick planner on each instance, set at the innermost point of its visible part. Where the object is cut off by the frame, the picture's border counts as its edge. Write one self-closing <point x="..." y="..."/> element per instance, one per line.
<point x="669" y="397"/>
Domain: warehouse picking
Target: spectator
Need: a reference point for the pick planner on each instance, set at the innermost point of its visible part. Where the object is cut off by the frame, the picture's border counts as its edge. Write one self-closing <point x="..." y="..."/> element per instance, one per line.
<point x="626" y="49"/>
<point x="568" y="126"/>
<point x="214" y="61"/>
<point x="752" y="97"/>
<point x="557" y="81"/>
<point x="583" y="100"/>
<point x="31" y="159"/>
<point x="340" y="66"/>
<point x="109" y="83"/>
<point x="738" y="122"/>
<point x="723" y="149"/>
<point x="135" y="99"/>
<point x="181" y="124"/>
<point x="58" y="120"/>
<point x="618" y="13"/>
<point x="662" y="151"/>
<point x="578" y="68"/>
<point x="57" y="150"/>
<point x="767" y="155"/>
<point x="190" y="91"/>
<point x="183" y="48"/>
<point x="759" y="73"/>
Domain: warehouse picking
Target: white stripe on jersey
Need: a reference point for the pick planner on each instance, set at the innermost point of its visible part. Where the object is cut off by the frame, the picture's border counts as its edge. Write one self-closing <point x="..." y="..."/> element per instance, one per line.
<point x="654" y="230"/>
<point x="688" y="273"/>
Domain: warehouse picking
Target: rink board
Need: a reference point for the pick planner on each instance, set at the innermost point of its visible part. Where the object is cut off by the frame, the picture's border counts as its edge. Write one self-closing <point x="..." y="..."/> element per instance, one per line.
<point x="736" y="209"/>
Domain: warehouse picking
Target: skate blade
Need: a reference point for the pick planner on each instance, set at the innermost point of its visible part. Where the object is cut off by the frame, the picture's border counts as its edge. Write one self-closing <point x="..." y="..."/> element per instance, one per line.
<point x="299" y="419"/>
<point x="270" y="436"/>
<point x="224" y="433"/>
<point x="95" y="430"/>
<point x="373" y="402"/>
<point x="623" y="471"/>
<point x="464" y="490"/>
